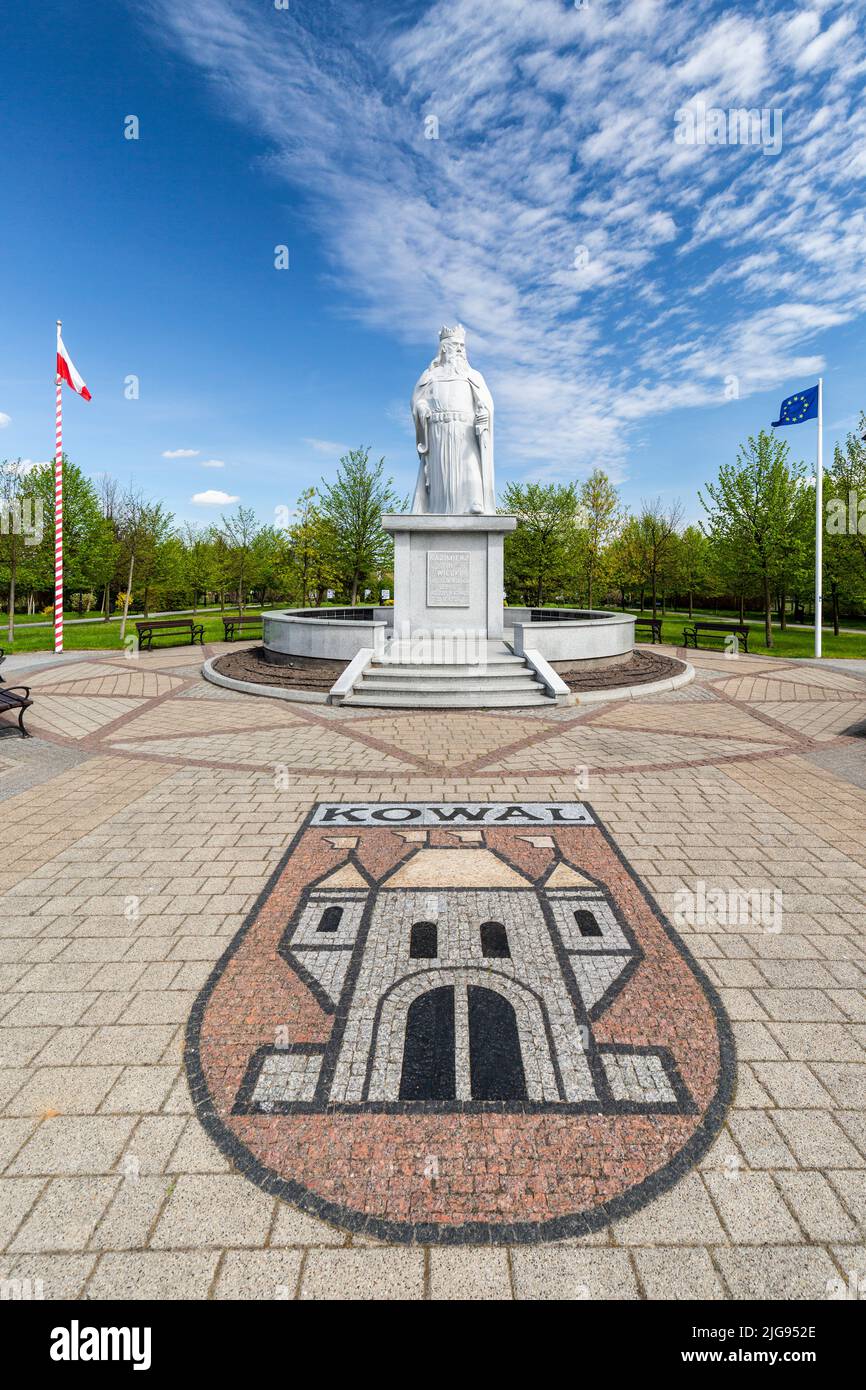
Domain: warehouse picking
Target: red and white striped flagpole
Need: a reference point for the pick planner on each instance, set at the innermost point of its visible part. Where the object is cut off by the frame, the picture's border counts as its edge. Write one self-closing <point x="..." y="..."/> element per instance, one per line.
<point x="58" y="510"/>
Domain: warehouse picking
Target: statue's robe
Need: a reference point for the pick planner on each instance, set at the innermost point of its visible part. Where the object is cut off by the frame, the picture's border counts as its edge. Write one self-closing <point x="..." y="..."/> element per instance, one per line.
<point x="456" y="473"/>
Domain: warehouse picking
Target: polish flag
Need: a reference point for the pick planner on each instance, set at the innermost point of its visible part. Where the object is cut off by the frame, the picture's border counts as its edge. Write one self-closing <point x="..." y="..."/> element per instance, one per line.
<point x="67" y="372"/>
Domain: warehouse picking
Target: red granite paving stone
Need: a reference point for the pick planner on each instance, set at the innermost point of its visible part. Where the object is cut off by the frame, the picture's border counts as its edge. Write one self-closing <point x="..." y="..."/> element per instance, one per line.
<point x="490" y="1168"/>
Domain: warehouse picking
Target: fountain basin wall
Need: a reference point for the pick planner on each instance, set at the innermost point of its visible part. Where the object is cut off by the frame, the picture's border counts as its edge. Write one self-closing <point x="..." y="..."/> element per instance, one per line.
<point x="572" y="634"/>
<point x="337" y="634"/>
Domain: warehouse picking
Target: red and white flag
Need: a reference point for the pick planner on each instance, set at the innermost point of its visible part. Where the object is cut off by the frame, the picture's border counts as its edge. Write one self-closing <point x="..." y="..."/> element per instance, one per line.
<point x="67" y="372"/>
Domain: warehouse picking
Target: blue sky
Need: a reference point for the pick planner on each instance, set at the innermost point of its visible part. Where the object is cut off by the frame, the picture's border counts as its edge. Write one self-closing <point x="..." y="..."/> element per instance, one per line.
<point x="307" y="126"/>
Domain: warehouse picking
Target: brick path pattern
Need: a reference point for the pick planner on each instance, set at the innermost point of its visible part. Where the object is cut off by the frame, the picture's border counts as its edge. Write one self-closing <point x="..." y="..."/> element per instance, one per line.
<point x="151" y="809"/>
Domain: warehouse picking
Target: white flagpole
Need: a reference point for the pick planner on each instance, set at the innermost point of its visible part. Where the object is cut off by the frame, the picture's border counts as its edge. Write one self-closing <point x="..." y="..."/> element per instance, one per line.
<point x="58" y="507"/>
<point x="819" y="521"/>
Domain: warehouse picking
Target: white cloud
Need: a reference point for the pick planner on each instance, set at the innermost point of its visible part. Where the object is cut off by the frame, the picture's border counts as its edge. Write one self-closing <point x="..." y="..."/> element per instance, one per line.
<point x="327" y="446"/>
<point x="4" y="420"/>
<point x="213" y="498"/>
<point x="556" y="131"/>
<point x="181" y="453"/>
<point x="212" y="463"/>
<point x="28" y="465"/>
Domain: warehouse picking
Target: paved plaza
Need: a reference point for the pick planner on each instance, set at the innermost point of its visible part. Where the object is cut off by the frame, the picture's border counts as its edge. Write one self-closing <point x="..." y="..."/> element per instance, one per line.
<point x="152" y="812"/>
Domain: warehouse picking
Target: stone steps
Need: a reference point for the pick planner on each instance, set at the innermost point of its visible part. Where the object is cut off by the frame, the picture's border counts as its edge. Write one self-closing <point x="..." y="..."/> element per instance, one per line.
<point x="432" y="699"/>
<point x="505" y="681"/>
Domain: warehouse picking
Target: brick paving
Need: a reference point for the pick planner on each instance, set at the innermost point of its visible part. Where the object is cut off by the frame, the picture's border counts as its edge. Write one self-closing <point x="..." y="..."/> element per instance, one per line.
<point x="150" y="811"/>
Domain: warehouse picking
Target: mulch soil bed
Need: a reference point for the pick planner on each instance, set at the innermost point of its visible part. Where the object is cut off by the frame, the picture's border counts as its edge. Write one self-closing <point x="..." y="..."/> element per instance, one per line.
<point x="304" y="673"/>
<point x="641" y="669"/>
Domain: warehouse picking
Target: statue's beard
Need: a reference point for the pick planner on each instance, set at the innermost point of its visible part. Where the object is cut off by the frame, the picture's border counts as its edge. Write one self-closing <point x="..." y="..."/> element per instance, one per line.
<point x="457" y="363"/>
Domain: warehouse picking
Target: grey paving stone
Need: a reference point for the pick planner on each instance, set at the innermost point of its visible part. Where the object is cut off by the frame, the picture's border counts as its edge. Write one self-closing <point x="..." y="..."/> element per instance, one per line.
<point x="58" y="1276"/>
<point x="18" y="1046"/>
<point x="846" y="1081"/>
<point x="677" y="1274"/>
<point x="66" y="1090"/>
<point x="152" y="1143"/>
<point x="386" y="1274"/>
<point x="818" y="1042"/>
<point x="816" y="1139"/>
<point x="759" y="1140"/>
<point x="154" y="1274"/>
<point x="140" y="1090"/>
<point x="818" y="1209"/>
<point x="197" y="1153"/>
<point x="17" y="1196"/>
<point x="49" y="1009"/>
<point x="13" y="1133"/>
<point x="293" y="1227"/>
<point x="850" y="1286"/>
<point x="64" y="1046"/>
<point x="546" y="1272"/>
<point x="467" y="1273"/>
<point x="70" y="1144"/>
<point x="793" y="1084"/>
<point x="780" y="1272"/>
<point x="684" y="1215"/>
<point x="755" y="1044"/>
<point x="131" y="1045"/>
<point x="752" y="1209"/>
<point x="213" y="1210"/>
<point x="65" y="1215"/>
<point x="259" y="1274"/>
<point x="127" y="1223"/>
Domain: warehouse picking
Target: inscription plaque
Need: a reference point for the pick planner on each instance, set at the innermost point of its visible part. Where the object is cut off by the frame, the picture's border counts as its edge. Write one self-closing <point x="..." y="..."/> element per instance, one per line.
<point x="448" y="579"/>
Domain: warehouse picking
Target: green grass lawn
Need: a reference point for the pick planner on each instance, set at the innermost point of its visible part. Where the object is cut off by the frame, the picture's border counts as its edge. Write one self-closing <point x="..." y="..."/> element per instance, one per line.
<point x="724" y="615"/>
<point x="798" y="642"/>
<point x="102" y="636"/>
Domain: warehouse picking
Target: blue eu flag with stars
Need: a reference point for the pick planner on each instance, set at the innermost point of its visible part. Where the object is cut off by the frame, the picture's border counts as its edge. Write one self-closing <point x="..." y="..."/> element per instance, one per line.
<point x="796" y="409"/>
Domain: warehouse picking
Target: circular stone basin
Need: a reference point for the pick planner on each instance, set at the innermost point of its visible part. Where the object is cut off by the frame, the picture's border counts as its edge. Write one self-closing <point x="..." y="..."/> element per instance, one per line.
<point x="335" y="634"/>
<point x="595" y="636"/>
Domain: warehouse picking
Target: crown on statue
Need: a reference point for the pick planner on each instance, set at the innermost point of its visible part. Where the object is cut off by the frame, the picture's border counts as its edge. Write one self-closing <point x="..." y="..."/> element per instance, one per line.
<point x="456" y="334"/>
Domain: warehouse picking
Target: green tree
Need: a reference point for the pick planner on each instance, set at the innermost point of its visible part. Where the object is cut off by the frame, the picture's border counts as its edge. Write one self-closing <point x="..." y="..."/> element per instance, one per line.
<point x="239" y="533"/>
<point x="542" y="555"/>
<point x="693" y="563"/>
<point x="599" y="504"/>
<point x="311" y="561"/>
<point x="655" y="538"/>
<point x="353" y="504"/>
<point x="752" y="510"/>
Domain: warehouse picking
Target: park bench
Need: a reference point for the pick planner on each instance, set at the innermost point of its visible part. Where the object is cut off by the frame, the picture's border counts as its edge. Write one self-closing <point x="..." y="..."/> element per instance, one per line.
<point x="725" y="630"/>
<point x="654" y="624"/>
<point x="10" y="698"/>
<point x="147" y="629"/>
<point x="236" y="623"/>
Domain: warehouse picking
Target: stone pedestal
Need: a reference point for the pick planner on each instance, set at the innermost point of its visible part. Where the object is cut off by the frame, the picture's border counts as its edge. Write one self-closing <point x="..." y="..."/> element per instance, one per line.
<point x="448" y="573"/>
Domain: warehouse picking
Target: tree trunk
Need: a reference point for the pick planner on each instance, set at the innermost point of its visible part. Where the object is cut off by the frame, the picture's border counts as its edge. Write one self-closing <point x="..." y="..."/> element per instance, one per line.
<point x="742" y="606"/>
<point x="145" y="603"/>
<point x="783" y="611"/>
<point x="834" y="590"/>
<point x="126" y="597"/>
<point x="768" y="613"/>
<point x="13" y="566"/>
<point x="655" y="596"/>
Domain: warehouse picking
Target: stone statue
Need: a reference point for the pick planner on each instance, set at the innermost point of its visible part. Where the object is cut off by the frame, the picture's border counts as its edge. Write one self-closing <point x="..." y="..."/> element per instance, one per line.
<point x="453" y="413"/>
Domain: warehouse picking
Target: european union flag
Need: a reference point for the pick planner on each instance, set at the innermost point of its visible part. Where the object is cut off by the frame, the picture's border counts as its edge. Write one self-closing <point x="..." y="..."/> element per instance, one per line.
<point x="796" y="409"/>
